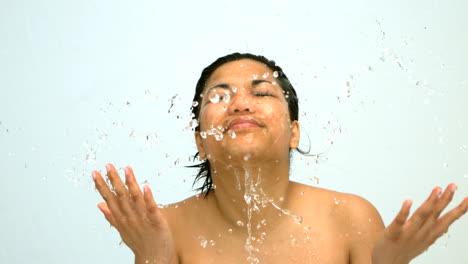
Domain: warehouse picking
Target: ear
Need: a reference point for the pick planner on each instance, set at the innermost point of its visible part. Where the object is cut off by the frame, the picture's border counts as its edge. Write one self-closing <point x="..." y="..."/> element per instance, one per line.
<point x="295" y="135"/>
<point x="198" y="141"/>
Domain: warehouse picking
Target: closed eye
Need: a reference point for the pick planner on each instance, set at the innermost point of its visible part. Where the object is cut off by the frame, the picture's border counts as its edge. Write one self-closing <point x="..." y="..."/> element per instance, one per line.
<point x="262" y="94"/>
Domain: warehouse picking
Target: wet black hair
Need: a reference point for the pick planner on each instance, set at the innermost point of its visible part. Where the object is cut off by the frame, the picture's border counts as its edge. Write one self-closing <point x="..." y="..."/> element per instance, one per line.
<point x="204" y="172"/>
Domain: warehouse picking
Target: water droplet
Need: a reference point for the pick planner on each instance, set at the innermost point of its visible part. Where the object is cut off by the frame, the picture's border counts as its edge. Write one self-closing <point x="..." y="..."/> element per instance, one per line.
<point x="172" y="101"/>
<point x="281" y="198"/>
<point x="273" y="83"/>
<point x="299" y="219"/>
<point x="445" y="164"/>
<point x="230" y="230"/>
<point x="232" y="134"/>
<point x="293" y="241"/>
<point x="214" y="98"/>
<point x="195" y="103"/>
<point x="264" y="222"/>
<point x="255" y="76"/>
<point x="212" y="242"/>
<point x="203" y="134"/>
<point x="240" y="223"/>
<point x="226" y="97"/>
<point x="246" y="158"/>
<point x="316" y="180"/>
<point x="203" y="243"/>
<point x="193" y="123"/>
<point x="253" y="260"/>
<point x="302" y="193"/>
<point x="247" y="198"/>
<point x="265" y="74"/>
<point x="219" y="136"/>
<point x="148" y="96"/>
<point x="132" y="133"/>
<point x="463" y="148"/>
<point x="336" y="201"/>
<point x="91" y="157"/>
<point x="234" y="89"/>
<point x="275" y="74"/>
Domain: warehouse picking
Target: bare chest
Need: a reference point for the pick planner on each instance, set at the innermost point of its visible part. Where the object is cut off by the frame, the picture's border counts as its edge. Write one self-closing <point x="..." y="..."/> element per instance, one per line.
<point x="285" y="247"/>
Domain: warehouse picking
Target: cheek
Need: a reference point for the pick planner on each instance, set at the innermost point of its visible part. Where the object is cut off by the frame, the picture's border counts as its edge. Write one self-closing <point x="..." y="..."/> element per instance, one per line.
<point x="209" y="117"/>
<point x="277" y="113"/>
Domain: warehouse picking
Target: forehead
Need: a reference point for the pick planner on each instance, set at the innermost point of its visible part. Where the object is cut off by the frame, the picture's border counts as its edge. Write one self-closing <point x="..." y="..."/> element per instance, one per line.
<point x="240" y="68"/>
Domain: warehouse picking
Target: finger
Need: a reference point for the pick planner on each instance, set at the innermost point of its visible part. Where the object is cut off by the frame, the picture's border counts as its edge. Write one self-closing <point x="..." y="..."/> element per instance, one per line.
<point x="396" y="227"/>
<point x="428" y="226"/>
<point x="424" y="211"/>
<point x="107" y="213"/>
<point x="450" y="217"/>
<point x="107" y="194"/>
<point x="121" y="190"/>
<point x="116" y="182"/>
<point x="134" y="190"/>
<point x="445" y="199"/>
<point x="151" y="206"/>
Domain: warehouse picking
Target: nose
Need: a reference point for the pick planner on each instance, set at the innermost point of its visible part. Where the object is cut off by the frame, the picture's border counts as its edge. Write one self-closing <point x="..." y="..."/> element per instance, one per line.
<point x="240" y="103"/>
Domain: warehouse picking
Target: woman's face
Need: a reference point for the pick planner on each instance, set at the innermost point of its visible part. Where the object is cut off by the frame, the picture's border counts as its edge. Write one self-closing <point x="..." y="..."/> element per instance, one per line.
<point x="244" y="114"/>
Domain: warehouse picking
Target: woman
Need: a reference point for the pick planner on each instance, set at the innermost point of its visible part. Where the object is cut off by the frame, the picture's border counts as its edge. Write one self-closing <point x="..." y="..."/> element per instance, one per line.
<point x="249" y="210"/>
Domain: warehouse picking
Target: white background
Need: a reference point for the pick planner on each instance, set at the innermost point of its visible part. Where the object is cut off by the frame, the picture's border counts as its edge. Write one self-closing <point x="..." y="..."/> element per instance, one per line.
<point x="84" y="83"/>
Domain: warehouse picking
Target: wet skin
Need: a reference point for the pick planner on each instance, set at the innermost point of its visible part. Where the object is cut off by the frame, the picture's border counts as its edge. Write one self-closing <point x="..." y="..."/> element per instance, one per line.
<point x="335" y="227"/>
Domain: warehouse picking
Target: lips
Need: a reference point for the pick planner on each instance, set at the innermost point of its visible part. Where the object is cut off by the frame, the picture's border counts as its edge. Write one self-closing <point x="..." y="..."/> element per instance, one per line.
<point x="242" y="123"/>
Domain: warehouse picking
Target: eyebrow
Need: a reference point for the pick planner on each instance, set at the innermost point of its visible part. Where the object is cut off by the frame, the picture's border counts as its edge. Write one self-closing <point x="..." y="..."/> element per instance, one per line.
<point x="226" y="86"/>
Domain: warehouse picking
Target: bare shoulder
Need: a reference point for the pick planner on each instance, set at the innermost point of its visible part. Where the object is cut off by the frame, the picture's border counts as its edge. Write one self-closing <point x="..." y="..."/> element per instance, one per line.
<point x="180" y="210"/>
<point x="346" y="208"/>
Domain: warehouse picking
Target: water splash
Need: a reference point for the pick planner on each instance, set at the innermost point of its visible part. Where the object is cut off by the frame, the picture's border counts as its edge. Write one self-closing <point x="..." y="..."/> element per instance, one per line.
<point x="132" y="133"/>
<point x="172" y="101"/>
<point x="226" y="96"/>
<point x="214" y="98"/>
<point x="232" y="133"/>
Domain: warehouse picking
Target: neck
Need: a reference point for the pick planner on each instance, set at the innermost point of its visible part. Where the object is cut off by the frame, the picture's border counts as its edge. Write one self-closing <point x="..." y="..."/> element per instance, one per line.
<point x="252" y="197"/>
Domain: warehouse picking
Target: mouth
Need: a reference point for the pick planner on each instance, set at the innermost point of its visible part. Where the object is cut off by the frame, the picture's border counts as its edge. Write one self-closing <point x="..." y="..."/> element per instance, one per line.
<point x="242" y="123"/>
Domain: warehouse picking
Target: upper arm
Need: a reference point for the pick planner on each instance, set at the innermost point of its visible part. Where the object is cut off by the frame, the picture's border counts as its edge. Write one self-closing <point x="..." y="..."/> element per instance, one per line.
<point x="365" y="225"/>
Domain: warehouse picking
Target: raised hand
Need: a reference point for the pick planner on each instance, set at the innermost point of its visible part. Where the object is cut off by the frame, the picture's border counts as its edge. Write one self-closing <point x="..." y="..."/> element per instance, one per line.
<point x="405" y="239"/>
<point x="136" y="216"/>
